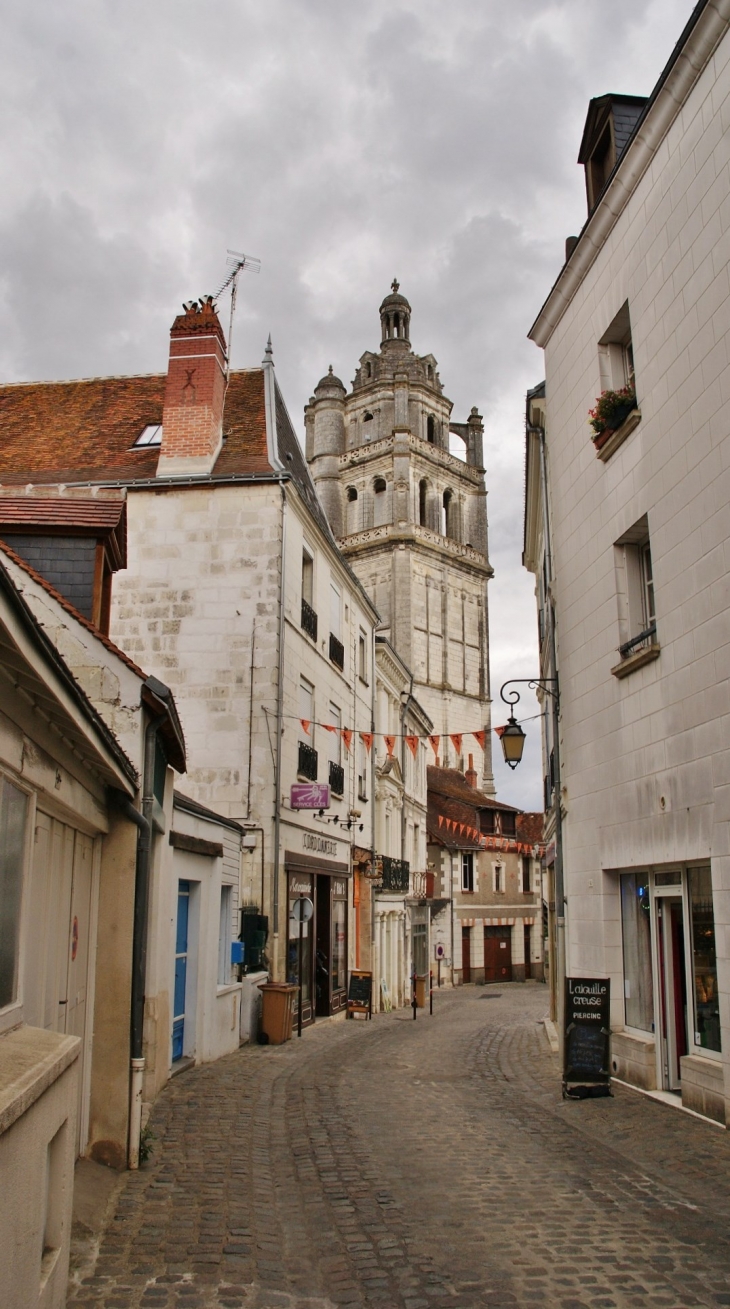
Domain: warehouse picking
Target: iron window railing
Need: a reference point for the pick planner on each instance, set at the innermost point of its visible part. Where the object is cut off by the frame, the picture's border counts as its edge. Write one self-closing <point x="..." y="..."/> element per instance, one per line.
<point x="309" y="620"/>
<point x="307" y="764"/>
<point x="396" y="875"/>
<point x="644" y="639"/>
<point x="337" y="652"/>
<point x="337" y="779"/>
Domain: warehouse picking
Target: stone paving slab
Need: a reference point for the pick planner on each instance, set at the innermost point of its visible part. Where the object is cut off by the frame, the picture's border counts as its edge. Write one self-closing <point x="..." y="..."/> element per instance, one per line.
<point x="408" y="1165"/>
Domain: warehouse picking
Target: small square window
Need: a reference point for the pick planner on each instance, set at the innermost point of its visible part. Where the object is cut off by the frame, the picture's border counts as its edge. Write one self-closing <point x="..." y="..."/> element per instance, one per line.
<point x="150" y="435"/>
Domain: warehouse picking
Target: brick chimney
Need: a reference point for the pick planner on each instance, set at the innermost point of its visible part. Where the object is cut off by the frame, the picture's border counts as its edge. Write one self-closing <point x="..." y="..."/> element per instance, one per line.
<point x="470" y="773"/>
<point x="192" y="419"/>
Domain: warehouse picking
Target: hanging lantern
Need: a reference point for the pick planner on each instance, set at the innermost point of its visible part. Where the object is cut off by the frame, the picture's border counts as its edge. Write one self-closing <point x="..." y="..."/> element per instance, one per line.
<point x="513" y="742"/>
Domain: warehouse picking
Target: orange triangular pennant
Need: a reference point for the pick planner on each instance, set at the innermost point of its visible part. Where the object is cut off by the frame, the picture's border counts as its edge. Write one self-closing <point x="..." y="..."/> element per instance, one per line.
<point x="500" y="730"/>
<point x="328" y="728"/>
<point x="306" y="724"/>
<point x="456" y="738"/>
<point x="480" y="738"/>
<point x="441" y="820"/>
<point x="389" y="745"/>
<point x="346" y="734"/>
<point x="434" y="744"/>
<point x="412" y="743"/>
<point x="367" y="740"/>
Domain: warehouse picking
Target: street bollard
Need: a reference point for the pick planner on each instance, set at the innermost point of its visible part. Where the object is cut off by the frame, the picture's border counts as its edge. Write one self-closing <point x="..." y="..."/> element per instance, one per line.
<point x="413" y="997"/>
<point x="430" y="992"/>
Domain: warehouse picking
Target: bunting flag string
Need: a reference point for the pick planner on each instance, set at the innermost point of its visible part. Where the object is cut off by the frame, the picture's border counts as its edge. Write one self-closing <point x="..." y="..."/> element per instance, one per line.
<point x="412" y="743"/>
<point x="412" y="739"/>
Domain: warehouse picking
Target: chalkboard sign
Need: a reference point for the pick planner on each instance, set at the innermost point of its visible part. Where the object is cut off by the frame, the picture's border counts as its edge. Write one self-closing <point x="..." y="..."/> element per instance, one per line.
<point x="360" y="993"/>
<point x="587" y="1030"/>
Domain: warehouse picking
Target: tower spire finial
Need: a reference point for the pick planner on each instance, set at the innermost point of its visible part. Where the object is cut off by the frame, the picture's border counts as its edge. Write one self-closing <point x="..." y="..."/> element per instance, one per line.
<point x="395" y="286"/>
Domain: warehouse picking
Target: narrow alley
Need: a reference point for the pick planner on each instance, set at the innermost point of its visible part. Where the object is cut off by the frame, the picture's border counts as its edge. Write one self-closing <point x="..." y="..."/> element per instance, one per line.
<point x="402" y="1163"/>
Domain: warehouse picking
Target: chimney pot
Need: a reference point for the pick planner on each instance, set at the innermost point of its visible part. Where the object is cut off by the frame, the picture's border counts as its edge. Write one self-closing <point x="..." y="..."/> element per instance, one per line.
<point x="470" y="773"/>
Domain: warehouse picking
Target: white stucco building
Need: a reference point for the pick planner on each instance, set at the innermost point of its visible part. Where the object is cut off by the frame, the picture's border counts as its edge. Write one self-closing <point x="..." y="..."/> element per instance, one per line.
<point x="638" y="574"/>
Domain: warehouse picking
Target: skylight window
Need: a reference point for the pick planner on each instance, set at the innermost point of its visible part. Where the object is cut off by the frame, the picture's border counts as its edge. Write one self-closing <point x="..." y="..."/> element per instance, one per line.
<point x="150" y="435"/>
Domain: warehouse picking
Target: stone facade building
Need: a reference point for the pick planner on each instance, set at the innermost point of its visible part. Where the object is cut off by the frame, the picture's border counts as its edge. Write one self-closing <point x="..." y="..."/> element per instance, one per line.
<point x="637" y="524"/>
<point x="411" y="519"/>
<point x="484" y="860"/>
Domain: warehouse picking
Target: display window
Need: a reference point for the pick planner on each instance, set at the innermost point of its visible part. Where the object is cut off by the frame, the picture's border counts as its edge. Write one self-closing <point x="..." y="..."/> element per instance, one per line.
<point x="704" y="960"/>
<point x="636" y="939"/>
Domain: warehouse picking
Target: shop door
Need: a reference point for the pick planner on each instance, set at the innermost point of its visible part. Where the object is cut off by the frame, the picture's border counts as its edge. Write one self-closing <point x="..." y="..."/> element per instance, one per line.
<point x="466" y="954"/>
<point x="498" y="954"/>
<point x="673" y="983"/>
<point x="323" y="939"/>
<point x="181" y="970"/>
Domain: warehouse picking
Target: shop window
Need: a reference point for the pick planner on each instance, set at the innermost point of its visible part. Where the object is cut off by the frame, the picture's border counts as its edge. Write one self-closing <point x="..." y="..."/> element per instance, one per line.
<point x="636" y="938"/>
<point x="224" y="936"/>
<point x="704" y="960"/>
<point x="13" y="809"/>
<point x="467" y="871"/>
<point x="339" y="944"/>
<point x="499" y="879"/>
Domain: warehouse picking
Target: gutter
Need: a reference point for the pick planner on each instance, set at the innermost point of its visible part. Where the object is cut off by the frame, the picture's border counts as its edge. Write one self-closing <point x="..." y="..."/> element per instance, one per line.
<point x="279" y="721"/>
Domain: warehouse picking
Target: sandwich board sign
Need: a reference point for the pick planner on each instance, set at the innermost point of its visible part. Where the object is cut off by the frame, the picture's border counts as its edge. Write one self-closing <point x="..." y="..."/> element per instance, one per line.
<point x="587" y="1040"/>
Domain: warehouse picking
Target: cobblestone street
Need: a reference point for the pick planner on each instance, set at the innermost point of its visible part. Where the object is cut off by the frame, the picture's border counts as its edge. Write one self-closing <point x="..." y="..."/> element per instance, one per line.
<point x="416" y="1164"/>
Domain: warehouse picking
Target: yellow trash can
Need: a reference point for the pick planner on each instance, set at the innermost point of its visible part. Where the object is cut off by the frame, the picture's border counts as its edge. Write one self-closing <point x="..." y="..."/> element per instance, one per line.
<point x="277" y="1011"/>
<point x="422" y="996"/>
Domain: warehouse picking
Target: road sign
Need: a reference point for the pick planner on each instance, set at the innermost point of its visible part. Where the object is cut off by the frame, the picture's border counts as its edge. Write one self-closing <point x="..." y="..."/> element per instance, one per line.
<point x="440" y="952"/>
<point x="302" y="910"/>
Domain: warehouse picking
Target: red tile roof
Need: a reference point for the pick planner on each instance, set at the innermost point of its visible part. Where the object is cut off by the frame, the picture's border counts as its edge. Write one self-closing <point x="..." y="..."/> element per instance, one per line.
<point x="85" y="430"/>
<point x="451" y="782"/>
<point x="531" y="827"/>
<point x="65" y="604"/>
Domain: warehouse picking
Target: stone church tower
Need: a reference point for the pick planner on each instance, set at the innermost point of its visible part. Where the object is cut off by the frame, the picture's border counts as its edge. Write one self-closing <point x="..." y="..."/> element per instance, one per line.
<point x="411" y="519"/>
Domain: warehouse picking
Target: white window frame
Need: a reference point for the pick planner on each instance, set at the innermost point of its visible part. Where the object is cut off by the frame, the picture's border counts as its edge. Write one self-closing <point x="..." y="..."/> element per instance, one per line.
<point x="12" y="1013"/>
<point x="467" y="871"/>
<point x="498" y="879"/>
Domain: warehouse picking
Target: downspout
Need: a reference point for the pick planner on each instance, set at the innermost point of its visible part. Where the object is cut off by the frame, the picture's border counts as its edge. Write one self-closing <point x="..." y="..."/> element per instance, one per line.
<point x="372" y="810"/>
<point x="408" y="962"/>
<point x="279" y="724"/>
<point x="143" y="822"/>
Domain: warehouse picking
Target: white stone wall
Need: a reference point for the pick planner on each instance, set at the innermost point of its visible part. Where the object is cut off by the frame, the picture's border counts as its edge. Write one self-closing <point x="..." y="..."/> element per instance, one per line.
<point x="646" y="760"/>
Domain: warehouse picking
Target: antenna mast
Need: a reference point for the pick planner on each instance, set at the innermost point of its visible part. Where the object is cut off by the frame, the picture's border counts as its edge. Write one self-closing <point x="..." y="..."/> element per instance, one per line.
<point x="238" y="263"/>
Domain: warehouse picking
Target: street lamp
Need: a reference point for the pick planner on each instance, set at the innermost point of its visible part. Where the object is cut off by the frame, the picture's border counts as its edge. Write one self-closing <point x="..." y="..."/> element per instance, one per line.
<point x="512" y="735"/>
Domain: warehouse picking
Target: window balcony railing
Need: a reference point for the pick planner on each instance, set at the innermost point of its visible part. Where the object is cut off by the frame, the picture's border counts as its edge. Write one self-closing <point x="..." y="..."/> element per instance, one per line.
<point x="307" y="764"/>
<point x="422" y="885"/>
<point x="337" y="652"/>
<point x="337" y="779"/>
<point x="396" y="875"/>
<point x="640" y="642"/>
<point x="309" y="620"/>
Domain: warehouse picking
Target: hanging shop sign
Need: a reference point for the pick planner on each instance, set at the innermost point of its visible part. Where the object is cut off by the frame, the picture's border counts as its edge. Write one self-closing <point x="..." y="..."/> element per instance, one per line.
<point x="309" y="795"/>
<point x="587" y="1043"/>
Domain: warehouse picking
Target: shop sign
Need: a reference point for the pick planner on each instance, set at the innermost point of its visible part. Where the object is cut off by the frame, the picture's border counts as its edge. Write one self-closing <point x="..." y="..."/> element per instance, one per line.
<point x="309" y="795"/>
<point x="339" y="888"/>
<point x="322" y="844"/>
<point x="587" y="1030"/>
<point x="300" y="885"/>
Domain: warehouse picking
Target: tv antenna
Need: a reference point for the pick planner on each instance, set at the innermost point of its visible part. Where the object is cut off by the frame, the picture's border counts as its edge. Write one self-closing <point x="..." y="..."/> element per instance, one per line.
<point x="238" y="263"/>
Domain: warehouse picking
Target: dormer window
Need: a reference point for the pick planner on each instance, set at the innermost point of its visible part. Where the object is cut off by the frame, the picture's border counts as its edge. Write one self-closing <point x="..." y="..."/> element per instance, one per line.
<point x="150" y="435"/>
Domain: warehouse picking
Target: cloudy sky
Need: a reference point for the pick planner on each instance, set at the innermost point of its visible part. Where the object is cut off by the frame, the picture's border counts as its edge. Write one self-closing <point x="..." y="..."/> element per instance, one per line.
<point x="340" y="143"/>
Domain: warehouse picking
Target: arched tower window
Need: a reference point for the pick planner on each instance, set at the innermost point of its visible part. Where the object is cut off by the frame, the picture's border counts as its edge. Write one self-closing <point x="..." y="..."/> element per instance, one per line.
<point x="423" y="502"/>
<point x="352" y="511"/>
<point x="368" y="370"/>
<point x="448" y="516"/>
<point x="380" y="496"/>
<point x="431" y="428"/>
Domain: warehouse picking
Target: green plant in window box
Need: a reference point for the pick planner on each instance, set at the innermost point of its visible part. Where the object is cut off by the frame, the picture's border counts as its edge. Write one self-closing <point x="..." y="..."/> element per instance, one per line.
<point x="612" y="408"/>
<point x="146" y="1137"/>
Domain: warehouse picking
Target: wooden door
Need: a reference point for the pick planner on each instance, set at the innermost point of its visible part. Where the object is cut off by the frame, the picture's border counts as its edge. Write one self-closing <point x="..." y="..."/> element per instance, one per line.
<point x="466" y="954"/>
<point x="497" y="954"/>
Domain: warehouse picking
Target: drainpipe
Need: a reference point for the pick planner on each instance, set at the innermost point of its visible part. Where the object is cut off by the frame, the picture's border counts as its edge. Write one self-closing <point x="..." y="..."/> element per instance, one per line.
<point x="279" y="726"/>
<point x="371" y="763"/>
<point x="143" y="823"/>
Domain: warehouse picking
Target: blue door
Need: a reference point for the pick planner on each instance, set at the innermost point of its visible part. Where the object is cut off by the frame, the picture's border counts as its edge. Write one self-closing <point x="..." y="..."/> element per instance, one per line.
<point x="181" y="969"/>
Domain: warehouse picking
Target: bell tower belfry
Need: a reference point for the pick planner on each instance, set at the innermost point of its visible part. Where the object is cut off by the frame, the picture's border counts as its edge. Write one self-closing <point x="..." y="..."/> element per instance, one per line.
<point x="411" y="519"/>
